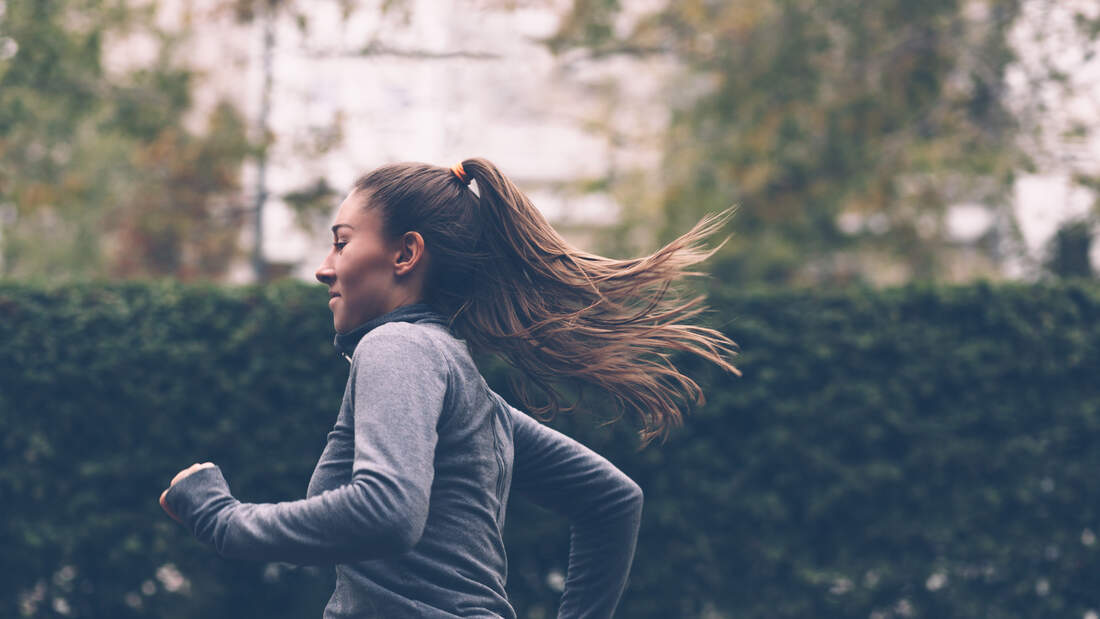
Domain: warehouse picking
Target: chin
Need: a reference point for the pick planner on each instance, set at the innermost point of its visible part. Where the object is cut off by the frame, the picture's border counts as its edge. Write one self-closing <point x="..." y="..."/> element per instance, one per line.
<point x="338" y="324"/>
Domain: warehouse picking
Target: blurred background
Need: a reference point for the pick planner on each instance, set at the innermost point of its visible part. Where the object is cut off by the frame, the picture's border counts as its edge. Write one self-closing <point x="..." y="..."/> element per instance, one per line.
<point x="880" y="143"/>
<point x="912" y="277"/>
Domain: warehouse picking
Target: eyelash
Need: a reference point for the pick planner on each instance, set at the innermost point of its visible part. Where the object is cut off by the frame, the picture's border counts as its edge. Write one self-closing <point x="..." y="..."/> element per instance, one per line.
<point x="339" y="246"/>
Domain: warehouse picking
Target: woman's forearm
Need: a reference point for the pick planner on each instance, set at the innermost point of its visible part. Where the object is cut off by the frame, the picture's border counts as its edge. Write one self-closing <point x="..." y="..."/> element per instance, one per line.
<point x="603" y="505"/>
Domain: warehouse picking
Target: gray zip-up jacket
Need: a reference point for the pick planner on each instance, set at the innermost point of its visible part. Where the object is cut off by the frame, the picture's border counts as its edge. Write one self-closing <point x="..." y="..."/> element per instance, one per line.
<point x="408" y="498"/>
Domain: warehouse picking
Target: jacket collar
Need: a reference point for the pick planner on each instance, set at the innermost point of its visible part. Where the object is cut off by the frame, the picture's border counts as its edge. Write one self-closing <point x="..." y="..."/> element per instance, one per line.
<point x="345" y="343"/>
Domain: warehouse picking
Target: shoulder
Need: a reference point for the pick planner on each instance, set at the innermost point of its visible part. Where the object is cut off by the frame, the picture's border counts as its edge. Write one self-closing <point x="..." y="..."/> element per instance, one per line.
<point x="400" y="359"/>
<point x="404" y="341"/>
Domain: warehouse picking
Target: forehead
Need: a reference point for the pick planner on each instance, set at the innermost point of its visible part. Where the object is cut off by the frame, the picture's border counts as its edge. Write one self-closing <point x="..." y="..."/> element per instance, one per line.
<point x="353" y="213"/>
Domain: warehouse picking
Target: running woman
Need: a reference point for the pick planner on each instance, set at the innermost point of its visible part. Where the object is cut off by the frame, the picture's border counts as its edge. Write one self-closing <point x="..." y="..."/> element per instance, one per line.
<point x="408" y="498"/>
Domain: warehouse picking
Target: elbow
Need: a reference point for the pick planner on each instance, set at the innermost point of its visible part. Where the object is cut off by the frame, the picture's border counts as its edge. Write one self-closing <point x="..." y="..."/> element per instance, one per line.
<point x="635" y="498"/>
<point x="627" y="505"/>
<point x="405" y="533"/>
<point x="406" y="526"/>
<point x="394" y="529"/>
<point x="637" y="495"/>
<point x="623" y="502"/>
<point x="379" y="540"/>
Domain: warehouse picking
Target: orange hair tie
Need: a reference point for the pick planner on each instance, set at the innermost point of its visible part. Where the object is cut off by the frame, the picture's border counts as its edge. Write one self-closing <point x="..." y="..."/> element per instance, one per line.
<point x="460" y="173"/>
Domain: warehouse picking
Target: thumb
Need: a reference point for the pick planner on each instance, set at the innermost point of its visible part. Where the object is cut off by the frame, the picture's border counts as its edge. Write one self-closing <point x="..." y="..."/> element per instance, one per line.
<point x="164" y="506"/>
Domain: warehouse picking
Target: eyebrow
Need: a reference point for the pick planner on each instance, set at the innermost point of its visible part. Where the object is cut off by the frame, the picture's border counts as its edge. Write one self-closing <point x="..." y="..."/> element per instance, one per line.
<point x="338" y="226"/>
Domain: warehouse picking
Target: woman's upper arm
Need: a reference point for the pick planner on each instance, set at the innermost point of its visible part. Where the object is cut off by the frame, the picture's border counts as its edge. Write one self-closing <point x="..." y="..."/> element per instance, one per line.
<point x="399" y="389"/>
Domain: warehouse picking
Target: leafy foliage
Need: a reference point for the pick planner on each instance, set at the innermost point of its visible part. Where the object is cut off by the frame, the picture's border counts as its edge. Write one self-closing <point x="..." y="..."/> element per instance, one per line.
<point x="99" y="175"/>
<point x="805" y="113"/>
<point x="923" y="450"/>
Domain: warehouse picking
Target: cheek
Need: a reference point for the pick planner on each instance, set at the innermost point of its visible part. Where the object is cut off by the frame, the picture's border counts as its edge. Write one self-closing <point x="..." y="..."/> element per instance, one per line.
<point x="361" y="273"/>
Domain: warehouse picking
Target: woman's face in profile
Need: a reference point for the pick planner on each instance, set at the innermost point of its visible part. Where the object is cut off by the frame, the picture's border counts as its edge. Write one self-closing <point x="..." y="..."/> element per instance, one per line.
<point x="359" y="269"/>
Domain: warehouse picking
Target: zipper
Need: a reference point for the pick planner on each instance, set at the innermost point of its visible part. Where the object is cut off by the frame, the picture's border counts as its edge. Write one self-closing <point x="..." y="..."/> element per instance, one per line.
<point x="498" y="429"/>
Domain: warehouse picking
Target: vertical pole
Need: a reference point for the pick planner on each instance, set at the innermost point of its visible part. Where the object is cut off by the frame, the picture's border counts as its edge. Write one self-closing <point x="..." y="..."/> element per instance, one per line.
<point x="259" y="264"/>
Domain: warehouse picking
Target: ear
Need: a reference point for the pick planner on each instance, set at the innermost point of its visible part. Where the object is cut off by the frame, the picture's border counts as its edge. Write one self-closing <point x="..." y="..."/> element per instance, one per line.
<point x="411" y="250"/>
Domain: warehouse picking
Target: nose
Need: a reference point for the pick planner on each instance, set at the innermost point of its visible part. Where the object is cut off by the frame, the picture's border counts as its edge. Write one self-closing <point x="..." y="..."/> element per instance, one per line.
<point x="325" y="273"/>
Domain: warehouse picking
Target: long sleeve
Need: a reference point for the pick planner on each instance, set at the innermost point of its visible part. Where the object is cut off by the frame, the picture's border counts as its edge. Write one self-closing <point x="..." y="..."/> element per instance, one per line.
<point x="398" y="385"/>
<point x="603" y="505"/>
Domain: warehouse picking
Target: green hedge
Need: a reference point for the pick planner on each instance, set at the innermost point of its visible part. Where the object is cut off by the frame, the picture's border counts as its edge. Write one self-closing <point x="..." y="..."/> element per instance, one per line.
<point x="929" y="451"/>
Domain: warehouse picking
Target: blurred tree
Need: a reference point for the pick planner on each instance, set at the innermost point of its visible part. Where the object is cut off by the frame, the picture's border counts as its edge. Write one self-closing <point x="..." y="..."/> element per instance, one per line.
<point x="101" y="162"/>
<point x="843" y="130"/>
<point x="185" y="220"/>
<point x="98" y="175"/>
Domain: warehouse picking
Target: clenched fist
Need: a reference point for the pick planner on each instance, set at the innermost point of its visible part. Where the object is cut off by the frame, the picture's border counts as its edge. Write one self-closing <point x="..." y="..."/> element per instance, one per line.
<point x="184" y="473"/>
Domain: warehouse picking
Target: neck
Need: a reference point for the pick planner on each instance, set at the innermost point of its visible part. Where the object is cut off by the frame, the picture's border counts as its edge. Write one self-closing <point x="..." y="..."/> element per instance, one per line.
<point x="346" y="342"/>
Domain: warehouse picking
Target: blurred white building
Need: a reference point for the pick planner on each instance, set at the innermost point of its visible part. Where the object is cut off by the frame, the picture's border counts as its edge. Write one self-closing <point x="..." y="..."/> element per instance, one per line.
<point x="426" y="81"/>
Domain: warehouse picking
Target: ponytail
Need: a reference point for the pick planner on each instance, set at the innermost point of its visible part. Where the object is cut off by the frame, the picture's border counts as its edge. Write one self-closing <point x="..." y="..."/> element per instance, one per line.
<point x="511" y="285"/>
